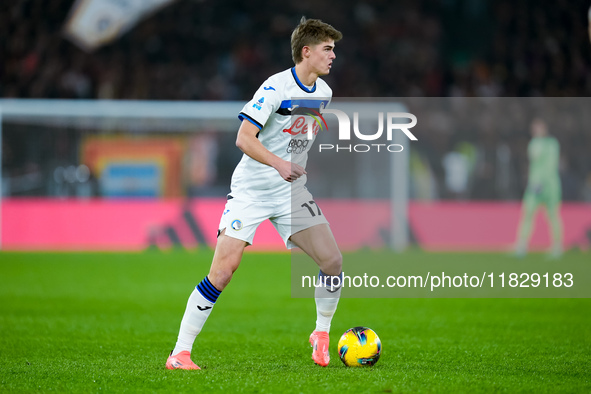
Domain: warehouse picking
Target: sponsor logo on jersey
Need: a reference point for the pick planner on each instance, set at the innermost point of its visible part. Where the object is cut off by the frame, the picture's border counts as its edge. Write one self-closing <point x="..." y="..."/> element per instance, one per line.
<point x="258" y="105"/>
<point x="269" y="88"/>
<point x="300" y="126"/>
<point x="237" y="225"/>
<point x="297" y="146"/>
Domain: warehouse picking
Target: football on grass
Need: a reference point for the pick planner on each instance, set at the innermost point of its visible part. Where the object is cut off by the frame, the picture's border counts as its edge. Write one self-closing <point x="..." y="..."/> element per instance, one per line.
<point x="359" y="347"/>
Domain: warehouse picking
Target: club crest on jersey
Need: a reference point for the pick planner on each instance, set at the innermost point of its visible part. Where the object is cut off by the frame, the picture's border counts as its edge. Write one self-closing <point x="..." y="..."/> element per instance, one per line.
<point x="258" y="105"/>
<point x="237" y="225"/>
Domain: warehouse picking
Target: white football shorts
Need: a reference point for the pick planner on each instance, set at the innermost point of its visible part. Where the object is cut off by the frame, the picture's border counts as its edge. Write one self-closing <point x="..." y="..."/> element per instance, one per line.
<point x="241" y="218"/>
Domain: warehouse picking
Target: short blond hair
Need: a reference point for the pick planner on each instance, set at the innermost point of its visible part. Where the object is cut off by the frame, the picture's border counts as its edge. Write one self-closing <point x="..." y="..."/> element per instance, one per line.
<point x="311" y="32"/>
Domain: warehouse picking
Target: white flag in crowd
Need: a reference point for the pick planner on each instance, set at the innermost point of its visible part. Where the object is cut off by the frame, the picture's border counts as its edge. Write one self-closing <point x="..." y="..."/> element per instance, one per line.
<point x="93" y="23"/>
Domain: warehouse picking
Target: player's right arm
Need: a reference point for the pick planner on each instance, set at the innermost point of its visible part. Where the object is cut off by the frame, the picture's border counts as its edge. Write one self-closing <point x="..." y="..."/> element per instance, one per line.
<point x="248" y="143"/>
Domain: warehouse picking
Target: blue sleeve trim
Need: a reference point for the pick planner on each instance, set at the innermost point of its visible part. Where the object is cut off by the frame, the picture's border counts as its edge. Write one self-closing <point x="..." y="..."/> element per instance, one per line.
<point x="243" y="116"/>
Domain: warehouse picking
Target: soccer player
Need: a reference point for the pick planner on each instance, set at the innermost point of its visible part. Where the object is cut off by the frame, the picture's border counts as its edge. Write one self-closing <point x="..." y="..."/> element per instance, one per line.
<point x="269" y="183"/>
<point x="543" y="188"/>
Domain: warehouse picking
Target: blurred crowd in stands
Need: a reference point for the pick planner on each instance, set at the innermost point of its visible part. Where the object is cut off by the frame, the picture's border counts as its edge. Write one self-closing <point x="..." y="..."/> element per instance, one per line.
<point x="223" y="50"/>
<point x="208" y="50"/>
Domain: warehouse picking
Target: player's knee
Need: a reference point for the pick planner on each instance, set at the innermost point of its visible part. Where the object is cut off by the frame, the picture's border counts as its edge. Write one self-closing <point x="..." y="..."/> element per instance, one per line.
<point x="333" y="265"/>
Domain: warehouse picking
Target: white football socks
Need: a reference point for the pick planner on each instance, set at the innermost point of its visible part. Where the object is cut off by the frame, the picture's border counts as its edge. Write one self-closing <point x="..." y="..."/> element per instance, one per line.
<point x="327" y="299"/>
<point x="199" y="307"/>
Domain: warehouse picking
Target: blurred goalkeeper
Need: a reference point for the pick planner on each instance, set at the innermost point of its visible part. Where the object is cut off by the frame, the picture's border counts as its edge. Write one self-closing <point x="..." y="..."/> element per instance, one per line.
<point x="543" y="188"/>
<point x="269" y="183"/>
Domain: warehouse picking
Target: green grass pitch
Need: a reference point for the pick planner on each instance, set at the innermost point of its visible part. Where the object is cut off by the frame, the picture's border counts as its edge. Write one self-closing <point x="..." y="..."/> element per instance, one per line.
<point x="105" y="322"/>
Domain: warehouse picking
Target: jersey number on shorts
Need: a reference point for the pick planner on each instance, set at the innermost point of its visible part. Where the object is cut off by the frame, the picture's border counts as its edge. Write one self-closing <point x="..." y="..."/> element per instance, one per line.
<point x="310" y="208"/>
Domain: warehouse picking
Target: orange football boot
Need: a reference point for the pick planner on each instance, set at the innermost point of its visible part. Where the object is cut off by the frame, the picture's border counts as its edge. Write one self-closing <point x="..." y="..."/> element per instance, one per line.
<point x="181" y="361"/>
<point x="319" y="341"/>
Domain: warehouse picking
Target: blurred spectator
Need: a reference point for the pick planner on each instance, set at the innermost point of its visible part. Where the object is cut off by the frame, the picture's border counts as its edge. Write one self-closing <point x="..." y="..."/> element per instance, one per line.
<point x="412" y="48"/>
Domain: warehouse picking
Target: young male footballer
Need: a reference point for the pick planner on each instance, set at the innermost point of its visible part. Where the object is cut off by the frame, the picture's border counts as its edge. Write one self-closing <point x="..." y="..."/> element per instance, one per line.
<point x="269" y="183"/>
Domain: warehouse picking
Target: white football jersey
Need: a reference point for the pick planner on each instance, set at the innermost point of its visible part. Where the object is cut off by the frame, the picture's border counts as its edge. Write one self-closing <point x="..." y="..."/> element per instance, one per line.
<point x="280" y="108"/>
